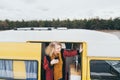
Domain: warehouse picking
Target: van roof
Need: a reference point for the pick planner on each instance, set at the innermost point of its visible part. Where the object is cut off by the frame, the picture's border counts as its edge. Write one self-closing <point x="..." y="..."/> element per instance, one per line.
<point x="99" y="43"/>
<point x="69" y="35"/>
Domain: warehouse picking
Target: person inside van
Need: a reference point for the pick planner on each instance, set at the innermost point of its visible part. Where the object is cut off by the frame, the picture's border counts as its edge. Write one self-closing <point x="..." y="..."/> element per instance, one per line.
<point x="54" y="61"/>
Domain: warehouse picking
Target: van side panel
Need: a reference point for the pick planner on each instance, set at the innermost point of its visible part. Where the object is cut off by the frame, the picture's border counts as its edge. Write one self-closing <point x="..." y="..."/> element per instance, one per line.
<point x="28" y="51"/>
<point x="19" y="53"/>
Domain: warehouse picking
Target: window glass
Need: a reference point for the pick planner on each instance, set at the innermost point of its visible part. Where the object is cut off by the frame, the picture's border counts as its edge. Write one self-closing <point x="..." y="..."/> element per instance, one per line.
<point x="31" y="70"/>
<point x="104" y="70"/>
<point x="19" y="70"/>
<point x="6" y="67"/>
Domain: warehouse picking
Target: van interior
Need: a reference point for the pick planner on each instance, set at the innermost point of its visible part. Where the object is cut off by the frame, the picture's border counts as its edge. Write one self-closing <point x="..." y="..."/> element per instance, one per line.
<point x="73" y="69"/>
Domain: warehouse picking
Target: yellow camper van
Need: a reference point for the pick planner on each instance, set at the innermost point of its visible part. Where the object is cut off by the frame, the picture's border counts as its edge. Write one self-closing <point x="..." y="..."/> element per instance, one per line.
<point x="22" y="51"/>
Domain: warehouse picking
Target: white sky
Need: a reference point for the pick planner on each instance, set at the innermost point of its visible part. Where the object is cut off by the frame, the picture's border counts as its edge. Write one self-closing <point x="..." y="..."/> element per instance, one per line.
<point x="62" y="9"/>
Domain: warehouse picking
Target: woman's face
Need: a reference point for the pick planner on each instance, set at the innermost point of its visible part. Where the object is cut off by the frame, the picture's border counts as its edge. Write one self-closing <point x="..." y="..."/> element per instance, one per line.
<point x="57" y="49"/>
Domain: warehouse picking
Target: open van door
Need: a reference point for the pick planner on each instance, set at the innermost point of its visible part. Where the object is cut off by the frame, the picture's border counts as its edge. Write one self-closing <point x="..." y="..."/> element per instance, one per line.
<point x="20" y="61"/>
<point x="73" y="64"/>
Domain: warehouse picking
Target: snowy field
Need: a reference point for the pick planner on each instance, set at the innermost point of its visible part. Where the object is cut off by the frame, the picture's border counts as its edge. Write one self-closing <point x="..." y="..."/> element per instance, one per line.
<point x="115" y="32"/>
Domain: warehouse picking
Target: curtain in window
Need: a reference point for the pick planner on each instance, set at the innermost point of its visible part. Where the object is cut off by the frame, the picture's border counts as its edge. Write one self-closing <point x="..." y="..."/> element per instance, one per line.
<point x="6" y="69"/>
<point x="31" y="70"/>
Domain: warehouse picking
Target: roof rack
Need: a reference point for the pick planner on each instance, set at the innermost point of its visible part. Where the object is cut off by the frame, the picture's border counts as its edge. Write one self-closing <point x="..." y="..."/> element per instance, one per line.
<point x="34" y="28"/>
<point x="40" y="28"/>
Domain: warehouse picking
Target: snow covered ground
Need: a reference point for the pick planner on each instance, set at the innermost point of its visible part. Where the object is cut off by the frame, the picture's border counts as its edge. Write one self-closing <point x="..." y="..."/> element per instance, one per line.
<point x="115" y="32"/>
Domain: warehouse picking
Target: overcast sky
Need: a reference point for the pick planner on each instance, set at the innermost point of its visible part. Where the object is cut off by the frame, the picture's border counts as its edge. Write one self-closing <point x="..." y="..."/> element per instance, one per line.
<point x="62" y="9"/>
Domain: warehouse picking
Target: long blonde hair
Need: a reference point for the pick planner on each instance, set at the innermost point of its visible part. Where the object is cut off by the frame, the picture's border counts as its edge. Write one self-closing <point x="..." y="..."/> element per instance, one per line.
<point x="50" y="48"/>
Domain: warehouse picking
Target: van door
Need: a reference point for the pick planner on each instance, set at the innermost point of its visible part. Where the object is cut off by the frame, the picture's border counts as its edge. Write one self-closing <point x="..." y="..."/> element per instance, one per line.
<point x="21" y="61"/>
<point x="72" y="71"/>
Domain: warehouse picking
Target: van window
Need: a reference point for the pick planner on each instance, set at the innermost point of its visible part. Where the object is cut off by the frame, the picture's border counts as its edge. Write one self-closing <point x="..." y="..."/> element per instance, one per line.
<point x="19" y="70"/>
<point x="104" y="70"/>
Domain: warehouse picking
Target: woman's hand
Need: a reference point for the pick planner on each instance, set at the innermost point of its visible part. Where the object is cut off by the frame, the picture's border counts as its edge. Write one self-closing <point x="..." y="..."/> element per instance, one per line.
<point x="54" y="61"/>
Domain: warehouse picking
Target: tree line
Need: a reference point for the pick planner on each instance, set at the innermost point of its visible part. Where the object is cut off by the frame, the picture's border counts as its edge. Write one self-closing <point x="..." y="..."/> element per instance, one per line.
<point x="94" y="24"/>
